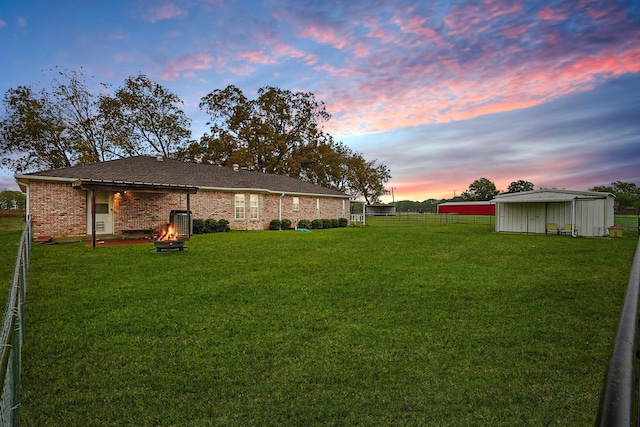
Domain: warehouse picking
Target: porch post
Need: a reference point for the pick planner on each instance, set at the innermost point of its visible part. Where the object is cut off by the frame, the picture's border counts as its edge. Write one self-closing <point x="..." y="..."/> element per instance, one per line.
<point x="93" y="218"/>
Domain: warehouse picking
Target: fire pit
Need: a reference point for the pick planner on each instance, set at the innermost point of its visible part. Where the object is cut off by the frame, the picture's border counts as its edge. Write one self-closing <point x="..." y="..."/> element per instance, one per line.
<point x="169" y="245"/>
<point x="168" y="240"/>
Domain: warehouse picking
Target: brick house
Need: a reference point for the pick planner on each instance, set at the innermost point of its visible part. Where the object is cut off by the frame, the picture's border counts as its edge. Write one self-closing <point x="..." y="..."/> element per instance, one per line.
<point x="138" y="193"/>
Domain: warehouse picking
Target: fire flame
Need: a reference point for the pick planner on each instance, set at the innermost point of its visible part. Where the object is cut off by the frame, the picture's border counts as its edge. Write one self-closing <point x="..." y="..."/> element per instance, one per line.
<point x="170" y="233"/>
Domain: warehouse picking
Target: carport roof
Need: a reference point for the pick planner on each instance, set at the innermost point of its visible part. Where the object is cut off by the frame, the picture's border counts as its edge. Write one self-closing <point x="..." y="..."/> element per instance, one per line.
<point x="549" y="196"/>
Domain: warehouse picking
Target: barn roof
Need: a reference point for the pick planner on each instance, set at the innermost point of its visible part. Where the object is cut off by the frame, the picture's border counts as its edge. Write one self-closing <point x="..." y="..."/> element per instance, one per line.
<point x="470" y="203"/>
<point x="150" y="172"/>
<point x="549" y="195"/>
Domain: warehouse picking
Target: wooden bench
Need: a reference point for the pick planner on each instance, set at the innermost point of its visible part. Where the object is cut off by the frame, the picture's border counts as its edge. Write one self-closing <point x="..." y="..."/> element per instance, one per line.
<point x="137" y="231"/>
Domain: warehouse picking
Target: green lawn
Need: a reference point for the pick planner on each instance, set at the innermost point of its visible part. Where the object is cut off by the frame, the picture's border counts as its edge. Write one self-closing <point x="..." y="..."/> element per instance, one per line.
<point x="433" y="325"/>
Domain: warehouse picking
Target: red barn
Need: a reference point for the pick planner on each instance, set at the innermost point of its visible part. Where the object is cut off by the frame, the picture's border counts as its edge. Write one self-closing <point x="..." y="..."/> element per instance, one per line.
<point x="467" y="208"/>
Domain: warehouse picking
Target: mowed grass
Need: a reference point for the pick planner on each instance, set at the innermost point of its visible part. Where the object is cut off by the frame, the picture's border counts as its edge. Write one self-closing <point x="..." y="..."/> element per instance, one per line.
<point x="10" y="231"/>
<point x="432" y="325"/>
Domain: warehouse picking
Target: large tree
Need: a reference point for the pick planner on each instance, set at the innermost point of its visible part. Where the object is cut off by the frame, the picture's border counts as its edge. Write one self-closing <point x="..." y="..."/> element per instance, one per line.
<point x="520" y="186"/>
<point x="67" y="124"/>
<point x="32" y="134"/>
<point x="143" y="117"/>
<point x="280" y="132"/>
<point x="481" y="189"/>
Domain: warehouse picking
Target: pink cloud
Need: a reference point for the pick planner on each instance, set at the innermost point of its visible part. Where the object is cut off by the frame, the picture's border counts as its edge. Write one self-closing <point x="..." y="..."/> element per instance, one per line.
<point x="497" y="8"/>
<point x="550" y="14"/>
<point x="256" y="57"/>
<point x="22" y="22"/>
<point x="2" y="24"/>
<point x="324" y="35"/>
<point x="515" y="32"/>
<point x="285" y="50"/>
<point x="188" y="64"/>
<point x="166" y="11"/>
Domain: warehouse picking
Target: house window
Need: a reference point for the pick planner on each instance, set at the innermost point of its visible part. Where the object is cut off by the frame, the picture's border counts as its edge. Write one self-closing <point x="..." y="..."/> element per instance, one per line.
<point x="253" y="211"/>
<point x="296" y="204"/>
<point x="102" y="202"/>
<point x="240" y="206"/>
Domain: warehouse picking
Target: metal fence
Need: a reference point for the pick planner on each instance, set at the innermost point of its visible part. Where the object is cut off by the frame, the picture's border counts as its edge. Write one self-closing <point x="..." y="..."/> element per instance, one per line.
<point x="619" y="399"/>
<point x="430" y="218"/>
<point x="12" y="334"/>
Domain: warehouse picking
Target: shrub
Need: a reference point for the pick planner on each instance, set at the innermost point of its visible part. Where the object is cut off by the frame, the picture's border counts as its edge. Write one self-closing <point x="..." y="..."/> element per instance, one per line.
<point x="223" y="226"/>
<point x="326" y="223"/>
<point x="210" y="225"/>
<point x="275" y="224"/>
<point x="286" y="224"/>
<point x="304" y="223"/>
<point x="316" y="224"/>
<point x="198" y="226"/>
<point x="334" y="223"/>
<point x="343" y="222"/>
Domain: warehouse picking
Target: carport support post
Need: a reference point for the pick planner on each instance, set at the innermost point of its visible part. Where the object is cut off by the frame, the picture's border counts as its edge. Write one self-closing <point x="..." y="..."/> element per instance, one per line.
<point x="93" y="218"/>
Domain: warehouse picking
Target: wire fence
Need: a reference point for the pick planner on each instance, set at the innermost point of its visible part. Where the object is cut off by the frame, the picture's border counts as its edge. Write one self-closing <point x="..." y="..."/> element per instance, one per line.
<point x="429" y="218"/>
<point x="630" y="223"/>
<point x="12" y="334"/>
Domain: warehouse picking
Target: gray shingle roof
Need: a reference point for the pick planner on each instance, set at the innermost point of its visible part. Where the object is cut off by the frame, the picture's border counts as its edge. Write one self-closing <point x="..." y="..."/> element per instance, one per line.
<point x="146" y="169"/>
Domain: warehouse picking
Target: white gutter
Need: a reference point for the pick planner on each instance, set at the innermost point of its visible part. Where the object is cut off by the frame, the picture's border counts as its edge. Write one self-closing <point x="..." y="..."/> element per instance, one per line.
<point x="264" y="190"/>
<point x="43" y="178"/>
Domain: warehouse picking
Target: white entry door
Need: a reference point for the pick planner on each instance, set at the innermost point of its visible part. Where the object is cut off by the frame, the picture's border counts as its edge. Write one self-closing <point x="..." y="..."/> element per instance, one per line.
<point x="104" y="213"/>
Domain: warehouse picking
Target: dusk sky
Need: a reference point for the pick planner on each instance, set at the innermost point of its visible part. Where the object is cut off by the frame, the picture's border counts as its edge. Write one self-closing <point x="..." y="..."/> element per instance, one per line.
<point x="441" y="92"/>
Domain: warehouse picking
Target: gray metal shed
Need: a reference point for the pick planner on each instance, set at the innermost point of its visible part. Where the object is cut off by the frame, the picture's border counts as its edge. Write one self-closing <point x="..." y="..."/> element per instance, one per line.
<point x="579" y="213"/>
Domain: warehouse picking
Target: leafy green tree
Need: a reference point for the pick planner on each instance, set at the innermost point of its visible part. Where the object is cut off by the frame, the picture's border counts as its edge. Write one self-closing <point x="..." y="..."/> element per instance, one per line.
<point x="520" y="186"/>
<point x="366" y="179"/>
<point x="266" y="134"/>
<point x="51" y="128"/>
<point x="481" y="189"/>
<point x="12" y="200"/>
<point x="280" y="132"/>
<point x="143" y="117"/>
<point x="66" y="124"/>
<point x="627" y="194"/>
<point x="32" y="136"/>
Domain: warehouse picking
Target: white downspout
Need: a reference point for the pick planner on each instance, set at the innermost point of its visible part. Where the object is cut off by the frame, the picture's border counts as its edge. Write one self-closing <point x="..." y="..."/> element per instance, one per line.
<point x="574" y="232"/>
<point x="28" y="205"/>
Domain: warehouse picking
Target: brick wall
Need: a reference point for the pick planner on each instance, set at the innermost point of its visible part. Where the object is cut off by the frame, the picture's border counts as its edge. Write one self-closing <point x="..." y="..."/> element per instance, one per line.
<point x="57" y="209"/>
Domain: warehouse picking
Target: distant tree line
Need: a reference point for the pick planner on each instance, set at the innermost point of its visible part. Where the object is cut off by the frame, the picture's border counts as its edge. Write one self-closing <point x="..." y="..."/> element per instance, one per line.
<point x="12" y="200"/>
<point x="278" y="132"/>
<point x="627" y="195"/>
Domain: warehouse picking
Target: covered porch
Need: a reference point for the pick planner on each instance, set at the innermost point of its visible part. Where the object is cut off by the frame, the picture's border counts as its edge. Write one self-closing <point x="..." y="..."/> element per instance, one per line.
<point x="100" y="204"/>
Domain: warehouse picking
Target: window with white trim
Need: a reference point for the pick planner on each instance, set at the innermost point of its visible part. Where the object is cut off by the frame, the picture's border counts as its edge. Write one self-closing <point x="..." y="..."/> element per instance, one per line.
<point x="240" y="206"/>
<point x="253" y="206"/>
<point x="296" y="204"/>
